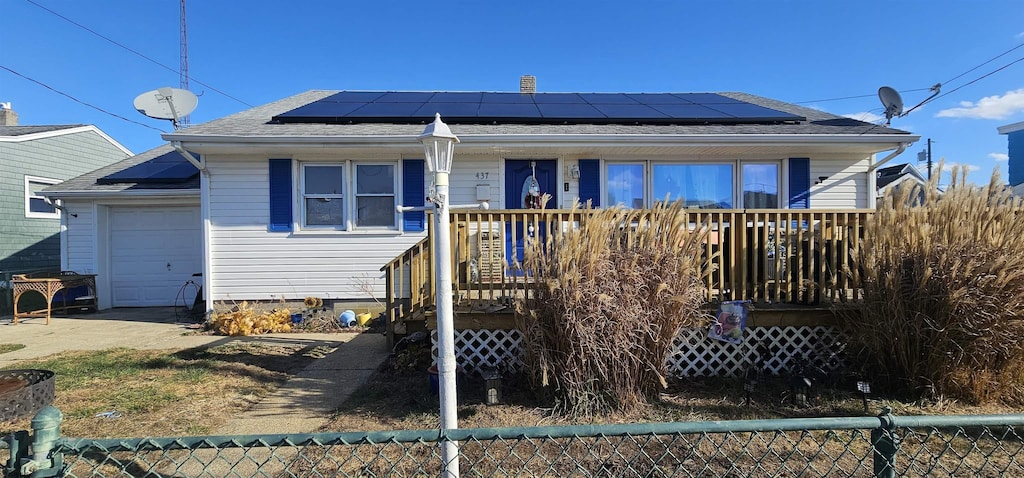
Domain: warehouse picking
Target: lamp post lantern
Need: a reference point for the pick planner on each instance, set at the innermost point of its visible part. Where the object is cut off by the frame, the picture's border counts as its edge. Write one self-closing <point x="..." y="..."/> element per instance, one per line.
<point x="438" y="145"/>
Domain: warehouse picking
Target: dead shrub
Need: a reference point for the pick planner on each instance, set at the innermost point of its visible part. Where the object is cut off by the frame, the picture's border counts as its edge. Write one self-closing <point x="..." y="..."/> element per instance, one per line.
<point x="605" y="301"/>
<point x="943" y="278"/>
<point x="244" y="319"/>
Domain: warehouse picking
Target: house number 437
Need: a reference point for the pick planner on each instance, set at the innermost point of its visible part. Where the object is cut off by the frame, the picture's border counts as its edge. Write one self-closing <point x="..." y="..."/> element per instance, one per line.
<point x="482" y="174"/>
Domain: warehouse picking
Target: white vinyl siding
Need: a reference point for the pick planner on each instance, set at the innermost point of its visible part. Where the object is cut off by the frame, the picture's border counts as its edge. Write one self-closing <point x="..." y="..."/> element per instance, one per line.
<point x="249" y="262"/>
<point x="81" y="234"/>
<point x="839" y="183"/>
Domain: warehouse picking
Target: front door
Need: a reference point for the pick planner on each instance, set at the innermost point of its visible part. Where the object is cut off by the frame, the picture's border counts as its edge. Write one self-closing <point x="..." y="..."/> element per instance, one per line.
<point x="525" y="181"/>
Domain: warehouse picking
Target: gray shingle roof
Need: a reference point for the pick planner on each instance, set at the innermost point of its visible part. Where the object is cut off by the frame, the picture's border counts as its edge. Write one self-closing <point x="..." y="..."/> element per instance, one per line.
<point x="256" y="122"/>
<point x="23" y="130"/>
<point x="87" y="182"/>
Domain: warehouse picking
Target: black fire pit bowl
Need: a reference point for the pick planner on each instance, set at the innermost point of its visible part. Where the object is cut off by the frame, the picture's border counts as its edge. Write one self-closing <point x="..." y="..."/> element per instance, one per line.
<point x="24" y="392"/>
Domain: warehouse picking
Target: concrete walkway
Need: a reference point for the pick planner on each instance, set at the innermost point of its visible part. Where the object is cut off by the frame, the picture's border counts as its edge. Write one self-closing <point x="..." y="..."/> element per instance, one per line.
<point x="307" y="400"/>
<point x="301" y="405"/>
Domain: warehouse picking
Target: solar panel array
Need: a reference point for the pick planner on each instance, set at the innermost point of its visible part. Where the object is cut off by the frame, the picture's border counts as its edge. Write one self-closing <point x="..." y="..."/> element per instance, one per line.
<point x="537" y="108"/>
<point x="168" y="168"/>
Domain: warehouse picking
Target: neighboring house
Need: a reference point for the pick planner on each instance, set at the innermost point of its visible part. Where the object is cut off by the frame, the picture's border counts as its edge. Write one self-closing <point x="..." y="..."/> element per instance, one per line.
<point x="33" y="158"/>
<point x="297" y="197"/>
<point x="1015" y="149"/>
<point x="898" y="176"/>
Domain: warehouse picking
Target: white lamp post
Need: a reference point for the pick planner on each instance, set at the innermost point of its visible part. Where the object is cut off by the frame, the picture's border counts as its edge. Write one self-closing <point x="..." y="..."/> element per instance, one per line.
<point x="438" y="145"/>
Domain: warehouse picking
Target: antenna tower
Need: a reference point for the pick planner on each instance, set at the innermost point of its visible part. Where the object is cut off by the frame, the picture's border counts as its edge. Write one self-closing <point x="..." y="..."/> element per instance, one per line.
<point x="183" y="67"/>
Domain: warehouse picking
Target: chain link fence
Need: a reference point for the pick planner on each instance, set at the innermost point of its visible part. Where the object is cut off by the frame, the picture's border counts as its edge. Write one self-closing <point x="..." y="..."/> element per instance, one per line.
<point x="982" y="445"/>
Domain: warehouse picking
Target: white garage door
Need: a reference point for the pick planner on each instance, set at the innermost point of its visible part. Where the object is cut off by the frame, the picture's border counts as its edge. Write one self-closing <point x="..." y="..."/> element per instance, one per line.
<point x="153" y="252"/>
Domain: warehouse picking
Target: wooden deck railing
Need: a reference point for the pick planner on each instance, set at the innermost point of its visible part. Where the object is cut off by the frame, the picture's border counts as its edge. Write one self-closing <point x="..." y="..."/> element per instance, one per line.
<point x="764" y="255"/>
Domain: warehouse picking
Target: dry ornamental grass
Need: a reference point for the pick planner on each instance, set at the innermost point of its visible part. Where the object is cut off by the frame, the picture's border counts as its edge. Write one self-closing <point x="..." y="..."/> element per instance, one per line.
<point x="943" y="276"/>
<point x="606" y="301"/>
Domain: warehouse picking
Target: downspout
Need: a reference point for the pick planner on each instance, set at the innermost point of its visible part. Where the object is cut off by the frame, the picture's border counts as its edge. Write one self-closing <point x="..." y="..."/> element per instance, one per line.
<point x="872" y="175"/>
<point x="192" y="159"/>
<point x="65" y="221"/>
<point x="899" y="150"/>
<point x="204" y="212"/>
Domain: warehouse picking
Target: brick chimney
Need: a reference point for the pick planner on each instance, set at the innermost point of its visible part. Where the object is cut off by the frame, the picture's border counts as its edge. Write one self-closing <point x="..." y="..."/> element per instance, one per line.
<point x="528" y="84"/>
<point x="7" y="116"/>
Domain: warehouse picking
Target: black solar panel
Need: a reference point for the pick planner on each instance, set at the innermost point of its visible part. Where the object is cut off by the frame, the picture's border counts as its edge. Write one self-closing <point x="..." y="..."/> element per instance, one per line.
<point x="608" y="99"/>
<point x="503" y="98"/>
<point x="168" y="168"/>
<point x="507" y="110"/>
<point x="539" y="108"/>
<point x="558" y="99"/>
<point x="634" y="110"/>
<point x="568" y="110"/>
<point x="447" y="110"/>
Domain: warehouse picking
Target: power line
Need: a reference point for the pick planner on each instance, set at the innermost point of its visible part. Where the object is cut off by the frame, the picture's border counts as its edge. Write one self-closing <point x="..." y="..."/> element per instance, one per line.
<point x="986" y="75"/>
<point x="94" y="32"/>
<point x="97" y="108"/>
<point x="983" y="64"/>
<point x="961" y="75"/>
<point x="854" y="97"/>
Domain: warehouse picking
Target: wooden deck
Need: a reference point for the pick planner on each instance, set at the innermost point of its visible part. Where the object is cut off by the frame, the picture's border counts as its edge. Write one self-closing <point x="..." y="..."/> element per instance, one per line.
<point x="791" y="264"/>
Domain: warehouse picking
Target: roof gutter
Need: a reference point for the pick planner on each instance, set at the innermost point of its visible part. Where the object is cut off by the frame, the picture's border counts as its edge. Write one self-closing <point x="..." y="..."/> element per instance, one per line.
<point x="200" y="165"/>
<point x="899" y="150"/>
<point x="121" y="193"/>
<point x="548" y="139"/>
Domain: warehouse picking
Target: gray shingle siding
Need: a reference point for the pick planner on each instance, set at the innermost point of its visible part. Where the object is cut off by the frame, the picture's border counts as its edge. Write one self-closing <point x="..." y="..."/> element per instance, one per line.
<point x="30" y="243"/>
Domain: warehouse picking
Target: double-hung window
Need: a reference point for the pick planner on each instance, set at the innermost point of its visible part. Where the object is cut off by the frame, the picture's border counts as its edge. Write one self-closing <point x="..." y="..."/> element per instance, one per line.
<point x="375" y="195"/>
<point x="348" y="196"/>
<point x="36" y="205"/>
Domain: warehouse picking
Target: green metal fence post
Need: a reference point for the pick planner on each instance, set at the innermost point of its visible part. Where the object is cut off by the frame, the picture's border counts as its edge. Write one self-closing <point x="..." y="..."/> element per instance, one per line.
<point x="18" y="443"/>
<point x="46" y="432"/>
<point x="884" y="445"/>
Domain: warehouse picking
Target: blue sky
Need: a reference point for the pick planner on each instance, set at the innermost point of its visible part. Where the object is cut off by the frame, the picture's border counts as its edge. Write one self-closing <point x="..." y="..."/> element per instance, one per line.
<point x="259" y="51"/>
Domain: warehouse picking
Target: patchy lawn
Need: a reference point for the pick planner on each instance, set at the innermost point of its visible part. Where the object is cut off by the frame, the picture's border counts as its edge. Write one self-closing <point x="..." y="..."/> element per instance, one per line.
<point x="4" y="348"/>
<point x="399" y="398"/>
<point x="161" y="393"/>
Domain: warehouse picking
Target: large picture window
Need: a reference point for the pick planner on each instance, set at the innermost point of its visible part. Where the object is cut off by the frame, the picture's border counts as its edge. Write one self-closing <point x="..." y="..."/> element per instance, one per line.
<point x="348" y="196"/>
<point x="725" y="185"/>
<point x="36" y="205"/>
<point x="704" y="186"/>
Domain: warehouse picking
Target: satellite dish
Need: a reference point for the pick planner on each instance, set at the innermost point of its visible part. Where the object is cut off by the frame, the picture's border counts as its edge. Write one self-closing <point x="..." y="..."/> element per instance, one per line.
<point x="892" y="101"/>
<point x="167" y="103"/>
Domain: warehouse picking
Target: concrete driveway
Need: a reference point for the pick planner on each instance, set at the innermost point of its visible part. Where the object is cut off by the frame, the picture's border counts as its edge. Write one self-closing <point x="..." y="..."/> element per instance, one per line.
<point x="300" y="406"/>
<point x="133" y="327"/>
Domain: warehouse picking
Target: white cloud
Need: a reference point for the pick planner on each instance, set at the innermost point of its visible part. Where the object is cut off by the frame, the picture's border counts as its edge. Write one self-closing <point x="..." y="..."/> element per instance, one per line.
<point x="999" y="156"/>
<point x="990" y="107"/>
<point x="866" y="116"/>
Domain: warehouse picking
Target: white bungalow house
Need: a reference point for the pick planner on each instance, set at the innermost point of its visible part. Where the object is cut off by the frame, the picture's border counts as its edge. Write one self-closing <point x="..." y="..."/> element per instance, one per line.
<point x="298" y="197"/>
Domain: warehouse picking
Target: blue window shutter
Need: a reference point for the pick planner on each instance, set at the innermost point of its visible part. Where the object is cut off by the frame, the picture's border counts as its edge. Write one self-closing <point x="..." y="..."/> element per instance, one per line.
<point x="413" y="194"/>
<point x="590" y="181"/>
<point x="799" y="183"/>
<point x="280" y="195"/>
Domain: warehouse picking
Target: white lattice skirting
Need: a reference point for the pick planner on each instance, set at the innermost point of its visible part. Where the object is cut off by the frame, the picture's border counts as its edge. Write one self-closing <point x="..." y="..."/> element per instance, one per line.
<point x="693" y="353"/>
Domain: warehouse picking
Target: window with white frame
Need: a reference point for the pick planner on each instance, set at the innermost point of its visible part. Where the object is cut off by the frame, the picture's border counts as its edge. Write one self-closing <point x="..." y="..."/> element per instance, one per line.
<point x="760" y="185"/>
<point x="37" y="205"/>
<point x="710" y="185"/>
<point x="349" y="195"/>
